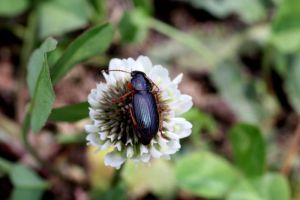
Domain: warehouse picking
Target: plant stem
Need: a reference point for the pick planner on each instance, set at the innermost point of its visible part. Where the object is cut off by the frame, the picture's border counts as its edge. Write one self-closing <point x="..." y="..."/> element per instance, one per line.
<point x="25" y="132"/>
<point x="117" y="177"/>
<point x="31" y="150"/>
<point x="292" y="151"/>
<point x="28" y="45"/>
<point x="212" y="58"/>
<point x="184" y="38"/>
<point x="29" y="39"/>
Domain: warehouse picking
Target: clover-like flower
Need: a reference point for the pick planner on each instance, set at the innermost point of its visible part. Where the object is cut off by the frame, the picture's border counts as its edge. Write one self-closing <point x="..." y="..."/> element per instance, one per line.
<point x="112" y="124"/>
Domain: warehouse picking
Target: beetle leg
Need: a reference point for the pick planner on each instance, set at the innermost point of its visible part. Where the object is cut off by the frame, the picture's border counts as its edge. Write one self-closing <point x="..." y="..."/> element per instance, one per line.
<point x="160" y="129"/>
<point x="122" y="98"/>
<point x="156" y="90"/>
<point x="129" y="86"/>
<point x="160" y="109"/>
<point x="132" y="117"/>
<point x="162" y="135"/>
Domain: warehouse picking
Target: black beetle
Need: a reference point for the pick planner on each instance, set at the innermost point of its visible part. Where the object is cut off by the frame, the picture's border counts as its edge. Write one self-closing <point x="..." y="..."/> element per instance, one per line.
<point x="143" y="110"/>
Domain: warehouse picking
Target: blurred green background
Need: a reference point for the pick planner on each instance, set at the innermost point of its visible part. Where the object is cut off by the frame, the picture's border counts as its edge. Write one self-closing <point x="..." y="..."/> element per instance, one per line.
<point x="241" y="65"/>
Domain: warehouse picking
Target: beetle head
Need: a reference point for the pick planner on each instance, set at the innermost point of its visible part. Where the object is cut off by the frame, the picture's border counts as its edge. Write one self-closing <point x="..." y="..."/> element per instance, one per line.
<point x="140" y="81"/>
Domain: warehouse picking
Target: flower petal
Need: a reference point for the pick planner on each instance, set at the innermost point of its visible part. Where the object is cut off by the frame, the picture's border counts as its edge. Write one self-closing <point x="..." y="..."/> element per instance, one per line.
<point x="178" y="79"/>
<point x="90" y="128"/>
<point x="145" y="62"/>
<point x="118" y="64"/>
<point x="93" y="139"/>
<point x="155" y="153"/>
<point x="114" y="159"/>
<point x="159" y="75"/>
<point x="183" y="104"/>
<point x="145" y="158"/>
<point x="179" y="126"/>
<point x="129" y="152"/>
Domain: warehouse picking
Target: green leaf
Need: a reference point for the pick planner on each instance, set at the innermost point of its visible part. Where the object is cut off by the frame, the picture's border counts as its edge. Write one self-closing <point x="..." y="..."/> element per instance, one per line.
<point x="247" y="97"/>
<point x="132" y="27"/>
<point x="23" y="177"/>
<point x="70" y="113"/>
<point x="27" y="184"/>
<point x="60" y="16"/>
<point x="99" y="10"/>
<point x="248" y="10"/>
<point x="249" y="149"/>
<point x="271" y="186"/>
<point x="243" y="190"/>
<point x="40" y="86"/>
<point x="5" y="166"/>
<point x="201" y="121"/>
<point x="116" y="193"/>
<point x="286" y="26"/>
<point x="94" y="41"/>
<point x="75" y="138"/>
<point x="12" y="7"/>
<point x="292" y="84"/>
<point x="36" y="62"/>
<point x="205" y="174"/>
<point x="159" y="178"/>
<point x="144" y="5"/>
<point x="98" y="5"/>
<point x="26" y="194"/>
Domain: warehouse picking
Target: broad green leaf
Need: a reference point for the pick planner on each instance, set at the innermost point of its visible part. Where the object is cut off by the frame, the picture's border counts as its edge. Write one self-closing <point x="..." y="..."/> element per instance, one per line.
<point x="26" y="194"/>
<point x="75" y="138"/>
<point x="144" y="5"/>
<point x="94" y="41"/>
<point x="243" y="190"/>
<point x="292" y="84"/>
<point x="286" y="26"/>
<point x="70" y="113"/>
<point x="23" y="177"/>
<point x="9" y="8"/>
<point x="205" y="174"/>
<point x="40" y="86"/>
<point x="116" y="193"/>
<point x="249" y="149"/>
<point x="99" y="9"/>
<point x="248" y="10"/>
<point x="27" y="184"/>
<point x="42" y="101"/>
<point x="5" y="166"/>
<point x="279" y="62"/>
<point x="271" y="186"/>
<point x="98" y="5"/>
<point x="132" y="27"/>
<point x="201" y="121"/>
<point x="60" y="16"/>
<point x="36" y="62"/>
<point x="247" y="97"/>
<point x="159" y="178"/>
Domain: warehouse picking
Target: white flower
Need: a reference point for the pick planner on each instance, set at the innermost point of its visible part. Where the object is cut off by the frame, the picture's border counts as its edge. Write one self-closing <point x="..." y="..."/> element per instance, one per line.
<point x="112" y="126"/>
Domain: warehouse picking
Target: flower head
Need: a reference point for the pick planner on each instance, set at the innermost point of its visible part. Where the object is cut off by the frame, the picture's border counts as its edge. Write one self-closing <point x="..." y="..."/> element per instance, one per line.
<point x="113" y="126"/>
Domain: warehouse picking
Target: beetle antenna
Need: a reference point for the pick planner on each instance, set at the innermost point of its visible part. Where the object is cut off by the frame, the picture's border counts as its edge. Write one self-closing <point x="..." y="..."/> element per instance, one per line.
<point x="115" y="70"/>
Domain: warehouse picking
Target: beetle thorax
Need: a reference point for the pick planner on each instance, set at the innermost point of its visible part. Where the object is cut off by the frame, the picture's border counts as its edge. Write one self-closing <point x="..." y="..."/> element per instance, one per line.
<point x="140" y="82"/>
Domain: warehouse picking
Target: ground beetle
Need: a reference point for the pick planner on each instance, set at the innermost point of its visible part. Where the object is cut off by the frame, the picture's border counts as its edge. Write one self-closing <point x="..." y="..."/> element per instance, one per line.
<point x="144" y="109"/>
